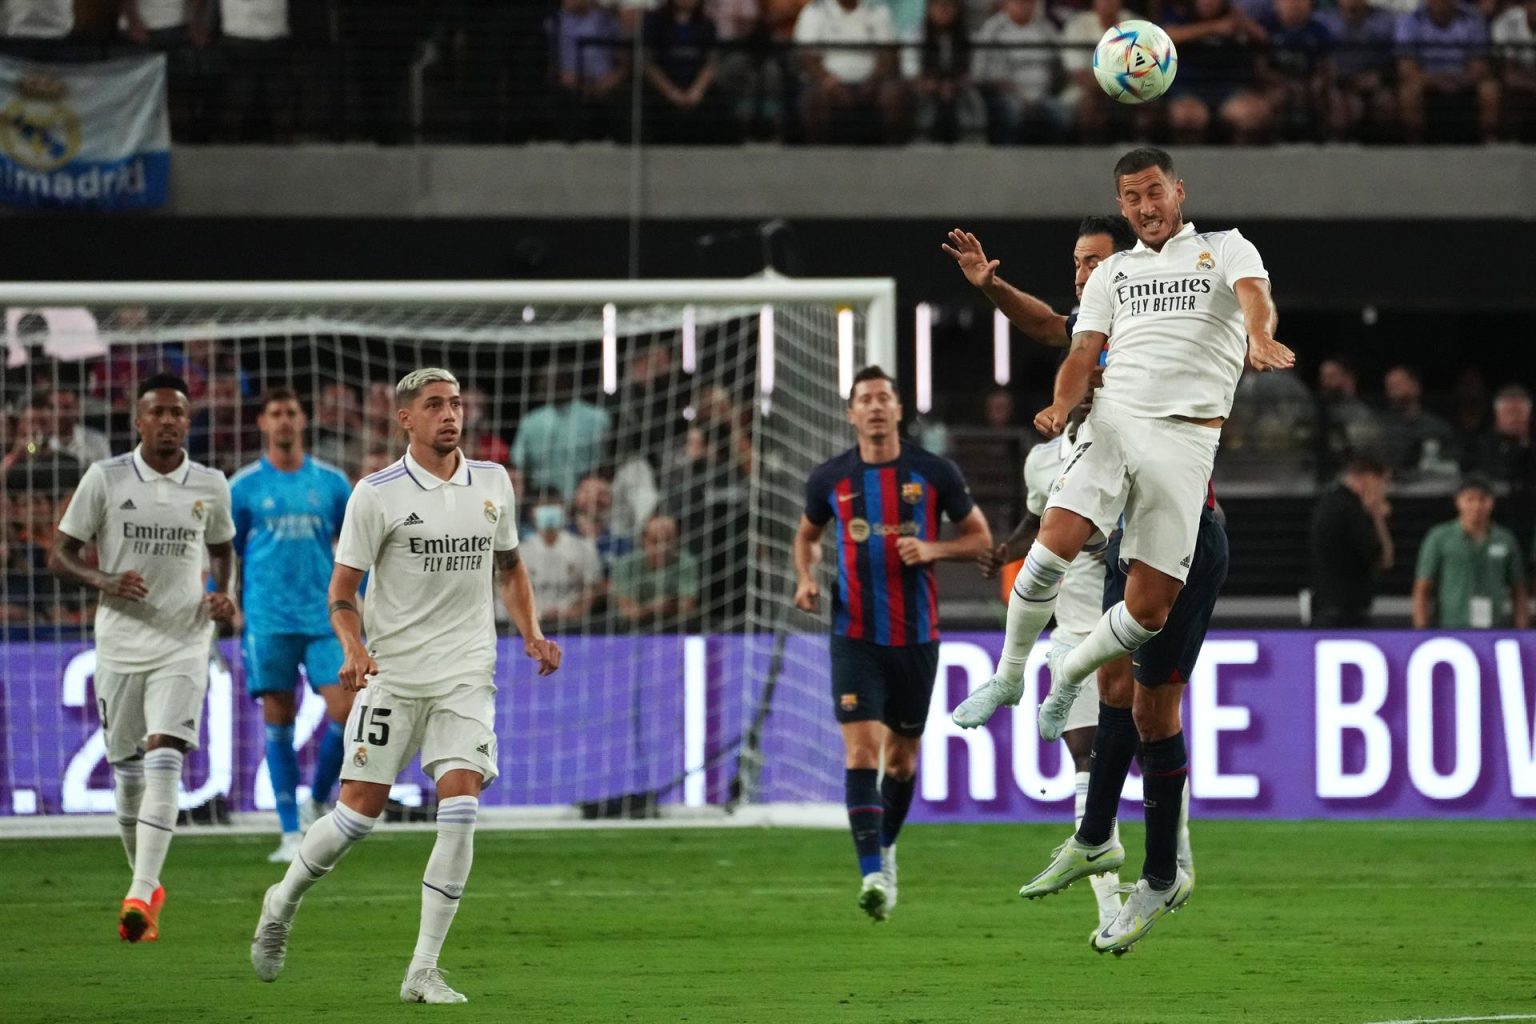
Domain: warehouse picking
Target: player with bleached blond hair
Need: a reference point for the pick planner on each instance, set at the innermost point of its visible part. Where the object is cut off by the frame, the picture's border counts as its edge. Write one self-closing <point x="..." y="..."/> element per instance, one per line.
<point x="431" y="530"/>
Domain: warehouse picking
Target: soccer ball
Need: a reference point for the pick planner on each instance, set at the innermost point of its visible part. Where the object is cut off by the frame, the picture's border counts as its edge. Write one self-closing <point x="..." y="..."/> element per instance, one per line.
<point x="1135" y="61"/>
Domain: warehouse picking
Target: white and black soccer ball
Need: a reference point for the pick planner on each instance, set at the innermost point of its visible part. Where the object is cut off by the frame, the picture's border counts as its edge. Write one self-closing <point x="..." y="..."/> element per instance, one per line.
<point x="1135" y="61"/>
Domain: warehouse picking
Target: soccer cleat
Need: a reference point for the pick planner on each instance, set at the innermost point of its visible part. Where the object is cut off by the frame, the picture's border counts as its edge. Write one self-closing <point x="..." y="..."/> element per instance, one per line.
<point x="872" y="896"/>
<point x="310" y="811"/>
<point x="1052" y="716"/>
<point x="135" y="921"/>
<point x="269" y="946"/>
<point x="1071" y="861"/>
<point x="888" y="869"/>
<point x="986" y="699"/>
<point x="156" y="904"/>
<point x="1143" y="906"/>
<point x="287" y="849"/>
<point x="427" y="986"/>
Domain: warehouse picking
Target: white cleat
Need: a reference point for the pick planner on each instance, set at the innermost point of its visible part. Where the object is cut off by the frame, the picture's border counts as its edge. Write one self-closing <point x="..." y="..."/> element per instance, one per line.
<point x="310" y="811"/>
<point x="427" y="986"/>
<point x="287" y="849"/>
<point x="1052" y="716"/>
<point x="986" y="699"/>
<point x="888" y="869"/>
<point x="269" y="946"/>
<point x="1071" y="861"/>
<point x="872" y="896"/>
<point x="1143" y="907"/>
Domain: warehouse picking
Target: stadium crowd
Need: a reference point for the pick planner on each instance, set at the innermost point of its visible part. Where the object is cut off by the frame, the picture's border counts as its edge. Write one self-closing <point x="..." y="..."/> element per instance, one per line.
<point x="820" y="71"/>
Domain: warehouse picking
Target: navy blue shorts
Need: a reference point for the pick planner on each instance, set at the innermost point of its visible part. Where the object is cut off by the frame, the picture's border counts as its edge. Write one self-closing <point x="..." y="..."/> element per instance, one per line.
<point x="1173" y="652"/>
<point x="875" y="683"/>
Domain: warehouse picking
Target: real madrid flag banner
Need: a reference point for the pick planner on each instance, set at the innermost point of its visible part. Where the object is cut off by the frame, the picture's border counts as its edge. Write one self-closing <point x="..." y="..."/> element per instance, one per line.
<point x="84" y="136"/>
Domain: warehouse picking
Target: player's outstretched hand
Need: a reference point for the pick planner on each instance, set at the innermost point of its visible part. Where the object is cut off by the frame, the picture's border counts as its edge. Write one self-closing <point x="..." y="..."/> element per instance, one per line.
<point x="1051" y="421"/>
<point x="967" y="252"/>
<point x="221" y="608"/>
<point x="806" y="596"/>
<point x="355" y="670"/>
<point x="546" y="652"/>
<point x="991" y="561"/>
<point x="913" y="551"/>
<point x="1265" y="353"/>
<point x="128" y="585"/>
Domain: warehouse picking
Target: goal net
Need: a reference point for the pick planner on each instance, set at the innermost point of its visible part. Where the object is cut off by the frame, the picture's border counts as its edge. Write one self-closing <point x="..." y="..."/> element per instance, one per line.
<point x="666" y="427"/>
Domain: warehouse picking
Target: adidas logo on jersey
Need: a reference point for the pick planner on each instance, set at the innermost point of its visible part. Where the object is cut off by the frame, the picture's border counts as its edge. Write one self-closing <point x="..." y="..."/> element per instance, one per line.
<point x="1185" y="562"/>
<point x="1118" y="278"/>
<point x="484" y="749"/>
<point x="128" y="506"/>
<point x="413" y="520"/>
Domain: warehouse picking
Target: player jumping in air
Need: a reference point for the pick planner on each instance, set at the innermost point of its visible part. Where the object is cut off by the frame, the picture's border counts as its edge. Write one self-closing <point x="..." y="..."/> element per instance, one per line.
<point x="288" y="509"/>
<point x="150" y="513"/>
<point x="883" y="499"/>
<point x="1185" y="310"/>
<point x="1095" y="582"/>
<point x="430" y="528"/>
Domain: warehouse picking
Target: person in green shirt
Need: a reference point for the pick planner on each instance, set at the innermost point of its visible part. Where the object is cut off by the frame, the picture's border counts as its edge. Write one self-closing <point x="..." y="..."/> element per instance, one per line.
<point x="1470" y="573"/>
<point x="659" y="584"/>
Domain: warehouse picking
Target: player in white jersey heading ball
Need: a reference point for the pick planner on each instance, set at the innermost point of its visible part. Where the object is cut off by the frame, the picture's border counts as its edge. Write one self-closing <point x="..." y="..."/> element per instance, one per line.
<point x="1186" y="310"/>
<point x="430" y="528"/>
<point x="150" y="513"/>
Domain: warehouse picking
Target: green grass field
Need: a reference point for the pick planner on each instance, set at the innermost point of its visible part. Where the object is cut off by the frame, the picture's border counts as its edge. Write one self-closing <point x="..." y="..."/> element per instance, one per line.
<point x="1312" y="922"/>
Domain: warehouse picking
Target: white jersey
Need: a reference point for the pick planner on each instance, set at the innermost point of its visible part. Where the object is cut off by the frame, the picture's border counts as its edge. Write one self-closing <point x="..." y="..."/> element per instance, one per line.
<point x="1082" y="588"/>
<point x="1177" y="339"/>
<point x="429" y="544"/>
<point x="157" y="526"/>
<point x="563" y="571"/>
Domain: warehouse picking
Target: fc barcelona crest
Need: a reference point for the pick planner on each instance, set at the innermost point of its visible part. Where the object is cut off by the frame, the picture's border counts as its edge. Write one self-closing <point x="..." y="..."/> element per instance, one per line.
<point x="849" y="701"/>
<point x="911" y="493"/>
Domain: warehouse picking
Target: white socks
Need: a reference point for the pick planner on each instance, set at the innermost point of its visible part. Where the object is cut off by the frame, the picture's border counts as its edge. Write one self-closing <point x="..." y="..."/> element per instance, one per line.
<point x="127" y="794"/>
<point x="1115" y="634"/>
<point x="1030" y="607"/>
<point x="1104" y="885"/>
<point x="326" y="842"/>
<point x="157" y="820"/>
<point x="443" y="882"/>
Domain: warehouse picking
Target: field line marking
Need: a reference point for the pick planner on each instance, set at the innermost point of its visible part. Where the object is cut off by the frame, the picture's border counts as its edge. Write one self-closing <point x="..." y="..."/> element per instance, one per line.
<point x="1458" y="1020"/>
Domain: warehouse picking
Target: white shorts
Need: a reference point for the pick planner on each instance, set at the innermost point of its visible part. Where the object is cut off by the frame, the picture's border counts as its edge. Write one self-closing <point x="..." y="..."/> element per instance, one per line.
<point x="165" y="701"/>
<point x="455" y="730"/>
<point x="1084" y="713"/>
<point x="1154" y="470"/>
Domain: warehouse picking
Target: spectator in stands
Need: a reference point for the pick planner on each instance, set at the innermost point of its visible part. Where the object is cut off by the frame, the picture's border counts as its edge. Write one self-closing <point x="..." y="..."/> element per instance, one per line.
<point x="258" y="99"/>
<point x="479" y="433"/>
<point x="1350" y="544"/>
<point x="1346" y="425"/>
<point x="1414" y="440"/>
<point x="1362" y="60"/>
<point x="380" y="422"/>
<point x="382" y="37"/>
<point x="1470" y="573"/>
<point x="592" y="513"/>
<point x="180" y="30"/>
<point x="657" y="586"/>
<point x="943" y="85"/>
<point x="224" y="432"/>
<point x="1506" y="456"/>
<point x="32" y="436"/>
<point x="1444" y="78"/>
<point x="559" y="443"/>
<point x="1096" y="112"/>
<point x="997" y="409"/>
<point x="1514" y="33"/>
<point x="39" y="487"/>
<point x="590" y="67"/>
<point x="380" y="457"/>
<point x="69" y="435"/>
<point x="29" y="26"/>
<point x="1296" y="71"/>
<point x="1470" y="412"/>
<point x="1216" y="77"/>
<point x="1019" y="84"/>
<point x="566" y="572"/>
<point x="648" y="411"/>
<point x="684" y="102"/>
<point x="852" y="95"/>
<point x="338" y="426"/>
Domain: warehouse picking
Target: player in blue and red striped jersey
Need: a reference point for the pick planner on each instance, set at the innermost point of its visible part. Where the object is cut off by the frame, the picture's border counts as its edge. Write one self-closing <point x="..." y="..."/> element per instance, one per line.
<point x="883" y="498"/>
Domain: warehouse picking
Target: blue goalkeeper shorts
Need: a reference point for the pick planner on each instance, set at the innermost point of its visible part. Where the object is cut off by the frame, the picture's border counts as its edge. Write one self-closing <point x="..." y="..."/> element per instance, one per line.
<point x="272" y="661"/>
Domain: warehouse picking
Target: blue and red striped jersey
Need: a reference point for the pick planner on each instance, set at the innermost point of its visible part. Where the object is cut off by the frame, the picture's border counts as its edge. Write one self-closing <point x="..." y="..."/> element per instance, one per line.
<point x="878" y="599"/>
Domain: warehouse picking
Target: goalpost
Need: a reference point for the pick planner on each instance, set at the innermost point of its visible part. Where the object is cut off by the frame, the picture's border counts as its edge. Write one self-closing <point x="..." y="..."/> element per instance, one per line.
<point x="703" y="402"/>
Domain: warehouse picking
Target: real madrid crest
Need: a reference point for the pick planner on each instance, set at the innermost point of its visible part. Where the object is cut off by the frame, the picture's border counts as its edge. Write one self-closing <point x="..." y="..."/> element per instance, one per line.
<point x="912" y="493"/>
<point x="360" y="758"/>
<point x="491" y="515"/>
<point x="197" y="510"/>
<point x="1206" y="261"/>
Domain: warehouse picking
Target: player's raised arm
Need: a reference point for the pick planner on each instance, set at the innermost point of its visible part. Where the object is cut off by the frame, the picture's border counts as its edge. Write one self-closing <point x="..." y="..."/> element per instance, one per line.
<point x="1260" y="319"/>
<point x="1029" y="314"/>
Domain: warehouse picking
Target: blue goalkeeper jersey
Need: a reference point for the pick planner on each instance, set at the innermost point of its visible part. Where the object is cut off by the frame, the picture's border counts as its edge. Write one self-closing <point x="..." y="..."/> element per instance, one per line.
<point x="285" y="527"/>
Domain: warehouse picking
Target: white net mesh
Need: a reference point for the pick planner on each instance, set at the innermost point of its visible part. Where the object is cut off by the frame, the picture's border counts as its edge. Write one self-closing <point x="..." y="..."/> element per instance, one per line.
<point x="640" y="420"/>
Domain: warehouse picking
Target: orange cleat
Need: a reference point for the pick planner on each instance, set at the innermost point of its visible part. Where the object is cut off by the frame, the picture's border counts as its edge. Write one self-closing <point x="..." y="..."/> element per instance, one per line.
<point x="156" y="902"/>
<point x="140" y="922"/>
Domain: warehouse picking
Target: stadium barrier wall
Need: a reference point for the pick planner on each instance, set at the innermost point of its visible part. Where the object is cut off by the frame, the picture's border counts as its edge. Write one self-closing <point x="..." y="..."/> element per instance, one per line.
<point x="1280" y="725"/>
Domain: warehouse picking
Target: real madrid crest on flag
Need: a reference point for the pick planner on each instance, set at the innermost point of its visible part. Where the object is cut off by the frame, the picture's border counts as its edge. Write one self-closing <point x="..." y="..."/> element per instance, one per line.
<point x="491" y="515"/>
<point x="911" y="493"/>
<point x="1205" y="262"/>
